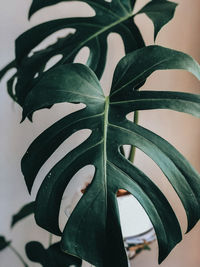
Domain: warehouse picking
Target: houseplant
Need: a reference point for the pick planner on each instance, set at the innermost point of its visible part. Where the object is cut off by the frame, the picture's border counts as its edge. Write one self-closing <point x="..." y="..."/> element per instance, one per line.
<point x="135" y="64"/>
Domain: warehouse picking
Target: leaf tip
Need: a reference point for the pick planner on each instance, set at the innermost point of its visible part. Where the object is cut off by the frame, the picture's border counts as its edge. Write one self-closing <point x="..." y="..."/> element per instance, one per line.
<point x="12" y="222"/>
<point x="23" y="117"/>
<point x="30" y="12"/>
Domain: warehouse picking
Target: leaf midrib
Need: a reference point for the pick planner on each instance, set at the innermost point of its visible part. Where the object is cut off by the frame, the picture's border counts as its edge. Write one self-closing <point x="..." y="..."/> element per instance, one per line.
<point x="123" y="7"/>
<point x="93" y="36"/>
<point x="105" y="132"/>
<point x="152" y="99"/>
<point x="75" y="93"/>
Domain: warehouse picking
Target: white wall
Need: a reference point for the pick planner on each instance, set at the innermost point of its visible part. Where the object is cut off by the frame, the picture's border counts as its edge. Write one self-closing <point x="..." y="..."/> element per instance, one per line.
<point x="181" y="130"/>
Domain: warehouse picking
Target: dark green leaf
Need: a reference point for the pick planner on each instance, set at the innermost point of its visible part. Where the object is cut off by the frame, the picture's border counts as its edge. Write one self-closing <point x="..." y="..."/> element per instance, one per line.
<point x="124" y="5"/>
<point x="144" y="100"/>
<point x="37" y="4"/>
<point x="91" y="32"/>
<point x="77" y="76"/>
<point x="160" y="12"/>
<point x="96" y="216"/>
<point x="25" y="211"/>
<point x="8" y="67"/>
<point x="3" y="243"/>
<point x="136" y="67"/>
<point x="50" y="257"/>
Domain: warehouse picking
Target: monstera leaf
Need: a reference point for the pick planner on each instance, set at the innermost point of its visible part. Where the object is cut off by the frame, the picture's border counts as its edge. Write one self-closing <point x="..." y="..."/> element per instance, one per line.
<point x="50" y="257"/>
<point x="92" y="32"/>
<point x="93" y="230"/>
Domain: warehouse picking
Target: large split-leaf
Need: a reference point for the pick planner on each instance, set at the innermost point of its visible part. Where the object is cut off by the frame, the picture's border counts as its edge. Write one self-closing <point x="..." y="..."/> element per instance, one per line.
<point x="92" y="32"/>
<point x="96" y="217"/>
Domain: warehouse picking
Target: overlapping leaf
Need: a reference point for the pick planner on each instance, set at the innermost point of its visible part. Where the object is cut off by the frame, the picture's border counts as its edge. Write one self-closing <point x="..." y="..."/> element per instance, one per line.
<point x="25" y="211"/>
<point x="3" y="243"/>
<point x="50" y="257"/>
<point x="115" y="16"/>
<point x="96" y="217"/>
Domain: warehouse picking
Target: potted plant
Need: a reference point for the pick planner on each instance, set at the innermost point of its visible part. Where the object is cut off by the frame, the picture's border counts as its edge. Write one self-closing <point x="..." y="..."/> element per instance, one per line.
<point x="93" y="231"/>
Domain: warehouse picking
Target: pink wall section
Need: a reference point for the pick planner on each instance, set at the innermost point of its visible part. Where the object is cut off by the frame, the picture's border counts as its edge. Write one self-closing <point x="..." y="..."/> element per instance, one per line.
<point x="182" y="131"/>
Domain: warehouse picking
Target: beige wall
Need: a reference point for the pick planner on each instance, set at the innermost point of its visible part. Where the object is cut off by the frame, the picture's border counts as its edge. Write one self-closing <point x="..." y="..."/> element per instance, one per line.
<point x="182" y="131"/>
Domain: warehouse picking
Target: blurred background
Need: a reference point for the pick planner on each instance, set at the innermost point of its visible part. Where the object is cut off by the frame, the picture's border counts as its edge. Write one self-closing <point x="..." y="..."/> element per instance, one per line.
<point x="183" y="131"/>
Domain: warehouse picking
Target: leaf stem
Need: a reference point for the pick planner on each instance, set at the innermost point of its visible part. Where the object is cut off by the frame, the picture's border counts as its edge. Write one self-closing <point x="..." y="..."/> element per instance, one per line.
<point x="133" y="148"/>
<point x="18" y="255"/>
<point x="50" y="239"/>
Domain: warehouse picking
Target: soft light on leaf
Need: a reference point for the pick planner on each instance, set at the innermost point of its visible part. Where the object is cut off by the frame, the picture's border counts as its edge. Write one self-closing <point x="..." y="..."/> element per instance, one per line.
<point x="96" y="216"/>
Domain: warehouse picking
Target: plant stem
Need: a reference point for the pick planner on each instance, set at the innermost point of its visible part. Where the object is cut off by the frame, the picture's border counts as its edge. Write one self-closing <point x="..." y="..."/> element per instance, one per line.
<point x="18" y="255"/>
<point x="133" y="148"/>
<point x="50" y="239"/>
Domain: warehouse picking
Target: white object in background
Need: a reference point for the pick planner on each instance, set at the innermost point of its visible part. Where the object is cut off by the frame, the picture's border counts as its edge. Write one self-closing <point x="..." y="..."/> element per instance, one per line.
<point x="148" y="236"/>
<point x="134" y="220"/>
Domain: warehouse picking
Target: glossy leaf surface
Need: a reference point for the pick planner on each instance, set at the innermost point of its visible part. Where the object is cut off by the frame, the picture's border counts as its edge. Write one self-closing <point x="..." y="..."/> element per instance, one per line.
<point x="91" y="32"/>
<point x="25" y="211"/>
<point x="116" y="16"/>
<point x="96" y="216"/>
<point x="50" y="257"/>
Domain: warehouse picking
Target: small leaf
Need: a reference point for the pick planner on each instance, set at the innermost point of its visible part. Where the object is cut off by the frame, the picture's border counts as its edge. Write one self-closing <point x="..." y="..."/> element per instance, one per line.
<point x="36" y="252"/>
<point x="50" y="257"/>
<point x="3" y="243"/>
<point x="25" y="211"/>
<point x="160" y="12"/>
